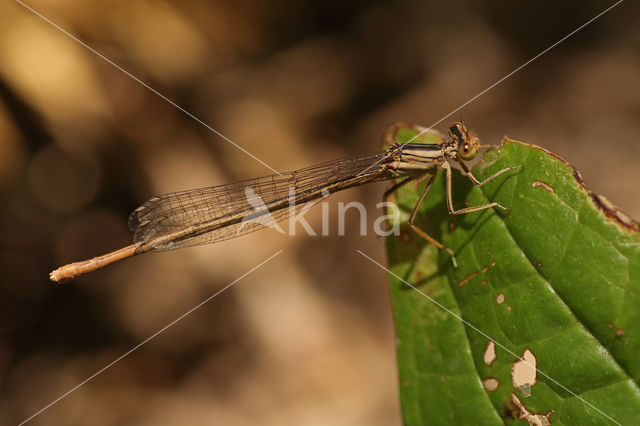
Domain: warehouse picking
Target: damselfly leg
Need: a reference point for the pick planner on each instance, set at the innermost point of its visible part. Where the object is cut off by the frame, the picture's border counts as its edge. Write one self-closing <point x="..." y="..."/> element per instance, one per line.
<point x="447" y="168"/>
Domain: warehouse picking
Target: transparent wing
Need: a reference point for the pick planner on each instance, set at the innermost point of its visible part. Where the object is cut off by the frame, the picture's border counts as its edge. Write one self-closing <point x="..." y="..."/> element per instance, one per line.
<point x="207" y="215"/>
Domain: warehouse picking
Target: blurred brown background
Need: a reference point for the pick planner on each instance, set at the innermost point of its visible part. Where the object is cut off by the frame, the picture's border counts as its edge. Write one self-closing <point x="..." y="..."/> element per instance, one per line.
<point x="308" y="338"/>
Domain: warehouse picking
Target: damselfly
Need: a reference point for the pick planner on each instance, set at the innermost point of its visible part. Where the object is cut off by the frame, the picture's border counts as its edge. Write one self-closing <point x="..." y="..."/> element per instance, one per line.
<point x="208" y="215"/>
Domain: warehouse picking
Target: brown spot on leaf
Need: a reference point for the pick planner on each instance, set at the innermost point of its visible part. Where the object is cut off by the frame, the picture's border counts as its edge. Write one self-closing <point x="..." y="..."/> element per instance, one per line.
<point x="540" y="184"/>
<point x="491" y="384"/>
<point x="520" y="411"/>
<point x="537" y="262"/>
<point x="484" y="282"/>
<point x="612" y="212"/>
<point x="500" y="298"/>
<point x="452" y="226"/>
<point x="485" y="269"/>
<point x="489" y="353"/>
<point x="524" y="373"/>
<point x="619" y="331"/>
<point x="467" y="278"/>
<point x="599" y="201"/>
<point x="494" y="263"/>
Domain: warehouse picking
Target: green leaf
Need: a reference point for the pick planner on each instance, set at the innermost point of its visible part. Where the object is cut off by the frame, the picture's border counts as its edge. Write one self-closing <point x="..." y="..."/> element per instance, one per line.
<point x="558" y="274"/>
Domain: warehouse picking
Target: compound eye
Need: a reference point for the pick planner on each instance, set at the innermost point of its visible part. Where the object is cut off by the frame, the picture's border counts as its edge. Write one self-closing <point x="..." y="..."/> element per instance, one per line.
<point x="468" y="151"/>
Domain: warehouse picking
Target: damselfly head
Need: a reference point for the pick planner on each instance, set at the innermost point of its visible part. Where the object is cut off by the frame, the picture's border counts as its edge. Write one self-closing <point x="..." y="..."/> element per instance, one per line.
<point x="467" y="142"/>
